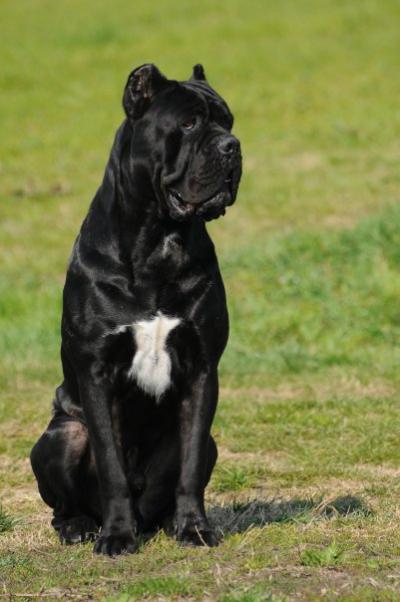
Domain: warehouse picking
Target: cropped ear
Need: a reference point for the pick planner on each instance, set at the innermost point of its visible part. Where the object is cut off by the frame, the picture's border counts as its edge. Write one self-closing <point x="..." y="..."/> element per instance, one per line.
<point x="143" y="84"/>
<point x="198" y="73"/>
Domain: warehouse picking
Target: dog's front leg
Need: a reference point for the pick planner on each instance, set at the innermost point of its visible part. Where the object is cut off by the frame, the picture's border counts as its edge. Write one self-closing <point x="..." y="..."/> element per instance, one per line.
<point x="197" y="412"/>
<point x="118" y="531"/>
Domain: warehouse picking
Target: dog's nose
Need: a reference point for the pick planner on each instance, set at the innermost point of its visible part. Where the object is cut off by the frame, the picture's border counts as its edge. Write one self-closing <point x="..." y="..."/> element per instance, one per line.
<point x="228" y="145"/>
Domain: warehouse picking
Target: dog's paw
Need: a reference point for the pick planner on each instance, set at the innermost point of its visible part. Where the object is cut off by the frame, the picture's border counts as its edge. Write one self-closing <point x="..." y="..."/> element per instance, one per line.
<point x="197" y="533"/>
<point x="78" y="529"/>
<point x="114" y="544"/>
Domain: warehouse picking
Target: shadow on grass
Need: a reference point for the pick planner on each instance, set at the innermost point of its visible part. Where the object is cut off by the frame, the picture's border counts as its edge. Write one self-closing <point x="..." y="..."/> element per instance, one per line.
<point x="238" y="517"/>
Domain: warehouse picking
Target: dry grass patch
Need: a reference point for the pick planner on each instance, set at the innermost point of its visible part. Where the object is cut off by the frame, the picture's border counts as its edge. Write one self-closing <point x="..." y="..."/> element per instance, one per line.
<point x="320" y="389"/>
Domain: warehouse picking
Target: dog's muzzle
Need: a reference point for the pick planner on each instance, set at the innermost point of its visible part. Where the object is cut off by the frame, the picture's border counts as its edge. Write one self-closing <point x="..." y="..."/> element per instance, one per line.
<point x="214" y="206"/>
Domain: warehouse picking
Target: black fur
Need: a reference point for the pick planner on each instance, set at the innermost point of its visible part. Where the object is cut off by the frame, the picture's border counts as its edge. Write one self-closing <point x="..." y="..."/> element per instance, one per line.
<point x="114" y="457"/>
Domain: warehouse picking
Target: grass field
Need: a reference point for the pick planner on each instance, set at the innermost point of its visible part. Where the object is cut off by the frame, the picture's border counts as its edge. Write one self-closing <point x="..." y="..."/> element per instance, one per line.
<point x="307" y="486"/>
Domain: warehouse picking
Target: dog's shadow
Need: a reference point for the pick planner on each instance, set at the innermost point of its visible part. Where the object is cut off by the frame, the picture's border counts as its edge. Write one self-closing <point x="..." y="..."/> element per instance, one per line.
<point x="238" y="517"/>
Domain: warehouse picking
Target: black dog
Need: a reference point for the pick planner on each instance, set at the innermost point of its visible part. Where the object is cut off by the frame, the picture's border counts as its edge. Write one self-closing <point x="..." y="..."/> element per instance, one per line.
<point x="144" y="326"/>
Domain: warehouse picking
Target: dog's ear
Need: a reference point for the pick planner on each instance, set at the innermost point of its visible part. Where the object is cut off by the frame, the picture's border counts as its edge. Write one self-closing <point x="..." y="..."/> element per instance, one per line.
<point x="198" y="73"/>
<point x="143" y="84"/>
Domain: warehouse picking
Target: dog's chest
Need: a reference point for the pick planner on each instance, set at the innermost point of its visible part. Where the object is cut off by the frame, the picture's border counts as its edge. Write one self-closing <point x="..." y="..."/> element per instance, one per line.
<point x="151" y="365"/>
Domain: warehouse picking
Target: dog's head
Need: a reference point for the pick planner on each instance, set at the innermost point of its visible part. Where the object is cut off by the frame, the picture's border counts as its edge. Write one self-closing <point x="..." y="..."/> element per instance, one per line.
<point x="182" y="132"/>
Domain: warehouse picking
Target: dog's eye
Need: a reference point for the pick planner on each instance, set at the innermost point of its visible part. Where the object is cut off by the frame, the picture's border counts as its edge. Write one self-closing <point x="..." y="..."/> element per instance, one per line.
<point x="189" y="124"/>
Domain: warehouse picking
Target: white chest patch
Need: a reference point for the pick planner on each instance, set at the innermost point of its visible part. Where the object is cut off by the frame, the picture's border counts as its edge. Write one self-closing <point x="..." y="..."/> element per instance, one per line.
<point x="151" y="365"/>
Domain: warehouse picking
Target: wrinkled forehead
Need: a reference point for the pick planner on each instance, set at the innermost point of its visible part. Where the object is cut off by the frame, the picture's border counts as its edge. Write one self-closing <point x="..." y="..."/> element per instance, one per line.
<point x="183" y="99"/>
<point x="177" y="101"/>
<point x="210" y="95"/>
<point x="216" y="104"/>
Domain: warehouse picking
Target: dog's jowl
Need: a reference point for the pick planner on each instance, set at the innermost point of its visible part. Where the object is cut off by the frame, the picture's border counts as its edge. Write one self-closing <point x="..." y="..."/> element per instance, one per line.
<point x="128" y="448"/>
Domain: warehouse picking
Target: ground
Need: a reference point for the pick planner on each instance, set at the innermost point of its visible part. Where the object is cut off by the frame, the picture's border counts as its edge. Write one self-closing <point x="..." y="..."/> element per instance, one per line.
<point x="307" y="485"/>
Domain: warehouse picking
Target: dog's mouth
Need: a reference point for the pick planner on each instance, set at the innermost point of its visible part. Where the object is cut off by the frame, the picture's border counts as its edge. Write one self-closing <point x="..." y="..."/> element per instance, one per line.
<point x="208" y="208"/>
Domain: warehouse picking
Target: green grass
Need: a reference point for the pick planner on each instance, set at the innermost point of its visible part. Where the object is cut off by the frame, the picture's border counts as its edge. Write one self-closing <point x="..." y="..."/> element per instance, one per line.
<point x="153" y="586"/>
<point x="306" y="488"/>
<point x="6" y="521"/>
<point x="329" y="556"/>
<point x="318" y="299"/>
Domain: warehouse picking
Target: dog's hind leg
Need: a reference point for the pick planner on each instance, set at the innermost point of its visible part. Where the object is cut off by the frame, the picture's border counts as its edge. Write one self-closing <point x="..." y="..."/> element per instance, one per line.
<point x="62" y="463"/>
<point x="156" y="505"/>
